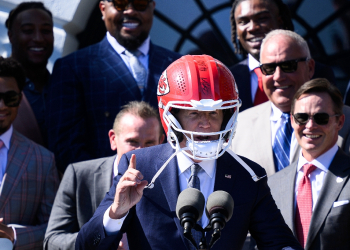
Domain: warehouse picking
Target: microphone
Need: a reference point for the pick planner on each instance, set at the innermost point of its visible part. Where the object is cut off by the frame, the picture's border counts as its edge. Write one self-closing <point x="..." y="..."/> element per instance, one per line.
<point x="189" y="210"/>
<point x="219" y="210"/>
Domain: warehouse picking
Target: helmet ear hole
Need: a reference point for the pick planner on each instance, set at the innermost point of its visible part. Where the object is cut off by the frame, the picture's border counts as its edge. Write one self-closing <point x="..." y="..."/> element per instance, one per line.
<point x="178" y="134"/>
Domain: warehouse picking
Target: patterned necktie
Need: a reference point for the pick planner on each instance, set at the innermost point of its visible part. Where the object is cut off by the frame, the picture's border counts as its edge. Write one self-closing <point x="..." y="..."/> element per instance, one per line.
<point x="281" y="147"/>
<point x="260" y="96"/>
<point x="194" y="182"/>
<point x="138" y="70"/>
<point x="304" y="205"/>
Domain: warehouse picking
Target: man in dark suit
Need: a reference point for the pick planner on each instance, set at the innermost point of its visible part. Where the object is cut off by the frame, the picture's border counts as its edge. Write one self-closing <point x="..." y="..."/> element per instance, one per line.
<point x="28" y="175"/>
<point x="258" y="127"/>
<point x="84" y="184"/>
<point x="198" y="114"/>
<point x="313" y="193"/>
<point x="89" y="86"/>
<point x="251" y="20"/>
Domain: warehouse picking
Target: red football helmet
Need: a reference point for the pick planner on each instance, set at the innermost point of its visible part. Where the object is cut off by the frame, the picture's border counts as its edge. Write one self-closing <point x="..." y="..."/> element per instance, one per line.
<point x="198" y="83"/>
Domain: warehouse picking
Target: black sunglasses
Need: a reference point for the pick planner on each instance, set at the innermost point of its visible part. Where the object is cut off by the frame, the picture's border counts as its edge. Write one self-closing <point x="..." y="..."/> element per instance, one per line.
<point x="286" y="66"/>
<point x="319" y="118"/>
<point x="139" y="5"/>
<point x="11" y="98"/>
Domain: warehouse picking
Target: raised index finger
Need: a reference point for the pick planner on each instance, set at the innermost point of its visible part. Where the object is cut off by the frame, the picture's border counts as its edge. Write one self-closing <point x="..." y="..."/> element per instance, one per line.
<point x="132" y="163"/>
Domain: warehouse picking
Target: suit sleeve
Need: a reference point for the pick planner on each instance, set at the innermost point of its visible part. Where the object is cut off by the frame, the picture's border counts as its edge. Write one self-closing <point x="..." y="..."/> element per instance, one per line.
<point x="63" y="227"/>
<point x="66" y="115"/>
<point x="31" y="237"/>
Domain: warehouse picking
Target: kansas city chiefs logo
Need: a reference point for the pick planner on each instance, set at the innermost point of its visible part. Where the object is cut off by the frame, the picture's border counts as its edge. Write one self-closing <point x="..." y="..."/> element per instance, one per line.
<point x="163" y="85"/>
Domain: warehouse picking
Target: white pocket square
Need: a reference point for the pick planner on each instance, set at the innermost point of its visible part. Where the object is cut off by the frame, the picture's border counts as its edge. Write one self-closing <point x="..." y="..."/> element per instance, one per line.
<point x="340" y="203"/>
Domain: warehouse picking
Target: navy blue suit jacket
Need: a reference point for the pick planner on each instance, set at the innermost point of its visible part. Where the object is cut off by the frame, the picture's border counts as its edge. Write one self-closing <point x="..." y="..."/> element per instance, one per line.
<point x="88" y="88"/>
<point x="241" y="74"/>
<point x="152" y="223"/>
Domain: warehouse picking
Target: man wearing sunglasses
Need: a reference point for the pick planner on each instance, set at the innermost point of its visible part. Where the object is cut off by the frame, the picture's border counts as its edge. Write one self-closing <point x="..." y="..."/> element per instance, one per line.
<point x="264" y="133"/>
<point x="313" y="192"/>
<point x="89" y="87"/>
<point x="251" y="20"/>
<point x="28" y="175"/>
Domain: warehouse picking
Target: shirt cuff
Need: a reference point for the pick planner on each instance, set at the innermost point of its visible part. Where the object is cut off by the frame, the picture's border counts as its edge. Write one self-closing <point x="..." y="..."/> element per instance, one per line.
<point x="14" y="236"/>
<point x="112" y="226"/>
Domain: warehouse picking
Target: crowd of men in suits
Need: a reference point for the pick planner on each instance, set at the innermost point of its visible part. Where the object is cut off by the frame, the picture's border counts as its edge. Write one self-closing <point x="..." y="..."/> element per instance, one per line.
<point x="100" y="103"/>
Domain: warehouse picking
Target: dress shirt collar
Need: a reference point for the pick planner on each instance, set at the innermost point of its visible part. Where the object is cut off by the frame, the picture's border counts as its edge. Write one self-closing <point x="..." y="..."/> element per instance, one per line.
<point x="115" y="166"/>
<point x="144" y="48"/>
<point x="322" y="162"/>
<point x="252" y="63"/>
<point x="184" y="162"/>
<point x="276" y="113"/>
<point x="6" y="137"/>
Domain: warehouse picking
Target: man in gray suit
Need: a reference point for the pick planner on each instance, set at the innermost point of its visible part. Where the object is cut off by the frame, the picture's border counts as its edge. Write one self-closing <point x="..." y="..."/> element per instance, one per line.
<point x="84" y="184"/>
<point x="313" y="192"/>
<point x="287" y="63"/>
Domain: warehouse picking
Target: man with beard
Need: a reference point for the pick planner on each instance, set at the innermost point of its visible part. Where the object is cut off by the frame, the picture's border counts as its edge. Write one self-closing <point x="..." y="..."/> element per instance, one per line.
<point x="89" y="86"/>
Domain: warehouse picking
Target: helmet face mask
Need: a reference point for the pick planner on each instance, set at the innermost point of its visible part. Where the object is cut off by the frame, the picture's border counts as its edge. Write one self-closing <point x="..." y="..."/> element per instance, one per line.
<point x="204" y="84"/>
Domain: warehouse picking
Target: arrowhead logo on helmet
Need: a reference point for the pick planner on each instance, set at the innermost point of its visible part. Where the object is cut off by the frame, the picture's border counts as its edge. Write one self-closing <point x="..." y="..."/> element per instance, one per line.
<point x="163" y="85"/>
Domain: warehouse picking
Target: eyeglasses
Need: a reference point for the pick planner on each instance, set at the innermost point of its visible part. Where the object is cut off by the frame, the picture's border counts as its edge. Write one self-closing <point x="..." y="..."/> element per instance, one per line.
<point x="286" y="66"/>
<point x="319" y="118"/>
<point x="139" y="5"/>
<point x="11" y="98"/>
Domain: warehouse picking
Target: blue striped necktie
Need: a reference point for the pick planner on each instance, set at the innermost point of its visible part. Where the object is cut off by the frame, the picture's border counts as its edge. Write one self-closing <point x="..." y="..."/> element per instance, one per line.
<point x="281" y="147"/>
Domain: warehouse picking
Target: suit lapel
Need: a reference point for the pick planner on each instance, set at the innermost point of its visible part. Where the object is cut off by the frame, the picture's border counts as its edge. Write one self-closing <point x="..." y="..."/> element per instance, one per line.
<point x="111" y="65"/>
<point x="102" y="180"/>
<point x="17" y="162"/>
<point x="170" y="178"/>
<point x="286" y="190"/>
<point x="331" y="189"/>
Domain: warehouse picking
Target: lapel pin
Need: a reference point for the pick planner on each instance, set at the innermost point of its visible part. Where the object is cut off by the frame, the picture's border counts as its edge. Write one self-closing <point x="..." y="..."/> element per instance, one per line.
<point x="339" y="180"/>
<point x="228" y="176"/>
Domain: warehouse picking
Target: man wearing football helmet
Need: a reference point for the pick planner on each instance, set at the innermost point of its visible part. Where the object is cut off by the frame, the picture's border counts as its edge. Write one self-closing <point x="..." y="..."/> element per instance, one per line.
<point x="198" y="103"/>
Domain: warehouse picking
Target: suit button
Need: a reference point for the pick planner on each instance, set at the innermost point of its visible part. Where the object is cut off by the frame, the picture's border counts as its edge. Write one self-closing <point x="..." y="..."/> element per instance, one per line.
<point x="107" y="114"/>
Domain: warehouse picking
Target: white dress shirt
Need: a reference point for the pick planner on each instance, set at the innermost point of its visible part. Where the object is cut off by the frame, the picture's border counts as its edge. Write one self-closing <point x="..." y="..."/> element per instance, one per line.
<point x="317" y="176"/>
<point x="184" y="163"/>
<point x="115" y="167"/>
<point x="6" y="138"/>
<point x="276" y="120"/>
<point x="144" y="49"/>
<point x="252" y="64"/>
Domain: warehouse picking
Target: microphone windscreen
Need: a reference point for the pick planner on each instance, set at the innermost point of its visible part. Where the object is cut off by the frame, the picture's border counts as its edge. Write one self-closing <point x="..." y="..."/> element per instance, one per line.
<point x="220" y="201"/>
<point x="190" y="200"/>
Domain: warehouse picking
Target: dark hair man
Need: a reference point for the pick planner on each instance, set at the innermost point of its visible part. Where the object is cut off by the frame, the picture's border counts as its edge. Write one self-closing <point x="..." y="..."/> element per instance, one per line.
<point x="84" y="184"/>
<point x="198" y="104"/>
<point x="251" y="20"/>
<point x="30" y="30"/>
<point x="89" y="87"/>
<point x="28" y="175"/>
<point x="313" y="192"/>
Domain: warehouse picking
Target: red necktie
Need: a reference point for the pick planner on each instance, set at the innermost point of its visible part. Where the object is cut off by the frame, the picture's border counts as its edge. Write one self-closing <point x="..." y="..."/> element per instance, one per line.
<point x="304" y="205"/>
<point x="260" y="95"/>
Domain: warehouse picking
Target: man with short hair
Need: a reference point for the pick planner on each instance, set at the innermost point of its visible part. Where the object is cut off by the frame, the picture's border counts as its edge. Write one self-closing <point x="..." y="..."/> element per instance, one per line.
<point x="28" y="175"/>
<point x="251" y="20"/>
<point x="84" y="184"/>
<point x="313" y="192"/>
<point x="199" y="115"/>
<point x="30" y="31"/>
<point x="264" y="132"/>
<point x="88" y="87"/>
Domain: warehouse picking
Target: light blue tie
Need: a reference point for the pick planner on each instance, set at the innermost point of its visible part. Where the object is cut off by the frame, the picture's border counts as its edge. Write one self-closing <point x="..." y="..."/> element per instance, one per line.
<point x="281" y="147"/>
<point x="139" y="72"/>
<point x="194" y="182"/>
